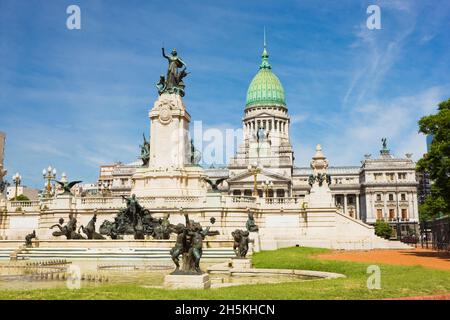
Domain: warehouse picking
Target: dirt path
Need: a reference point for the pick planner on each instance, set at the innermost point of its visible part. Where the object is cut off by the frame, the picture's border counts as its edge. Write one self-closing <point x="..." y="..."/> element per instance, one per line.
<point x="423" y="257"/>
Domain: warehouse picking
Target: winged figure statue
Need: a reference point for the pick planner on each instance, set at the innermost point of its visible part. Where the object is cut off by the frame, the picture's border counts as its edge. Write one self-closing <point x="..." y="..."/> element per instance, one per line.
<point x="67" y="186"/>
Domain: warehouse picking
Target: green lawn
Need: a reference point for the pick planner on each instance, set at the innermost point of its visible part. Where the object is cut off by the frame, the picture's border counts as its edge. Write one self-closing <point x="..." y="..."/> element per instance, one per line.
<point x="396" y="281"/>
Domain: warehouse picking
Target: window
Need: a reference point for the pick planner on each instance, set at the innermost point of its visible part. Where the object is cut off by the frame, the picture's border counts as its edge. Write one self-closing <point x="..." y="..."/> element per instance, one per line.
<point x="390" y="176"/>
<point x="378" y="196"/>
<point x="280" y="193"/>
<point x="402" y="176"/>
<point x="350" y="200"/>
<point x="379" y="214"/>
<point x="391" y="197"/>
<point x="377" y="176"/>
<point x="236" y="192"/>
<point x="248" y="193"/>
<point x="391" y="214"/>
<point x="404" y="214"/>
<point x="403" y="197"/>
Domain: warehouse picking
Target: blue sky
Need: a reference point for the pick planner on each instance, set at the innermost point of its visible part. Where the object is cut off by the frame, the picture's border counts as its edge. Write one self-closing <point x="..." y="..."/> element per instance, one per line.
<point x="76" y="99"/>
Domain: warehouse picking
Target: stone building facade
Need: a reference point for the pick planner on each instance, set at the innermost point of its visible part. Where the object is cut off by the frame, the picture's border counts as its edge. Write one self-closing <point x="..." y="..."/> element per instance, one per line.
<point x="383" y="187"/>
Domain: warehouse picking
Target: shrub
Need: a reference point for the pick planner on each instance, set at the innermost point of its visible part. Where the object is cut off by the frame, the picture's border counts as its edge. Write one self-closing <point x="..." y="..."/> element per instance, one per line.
<point x="383" y="229"/>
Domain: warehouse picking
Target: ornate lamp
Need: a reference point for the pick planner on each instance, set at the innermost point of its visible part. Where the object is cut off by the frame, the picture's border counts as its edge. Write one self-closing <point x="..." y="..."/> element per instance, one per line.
<point x="17" y="179"/>
<point x="49" y="174"/>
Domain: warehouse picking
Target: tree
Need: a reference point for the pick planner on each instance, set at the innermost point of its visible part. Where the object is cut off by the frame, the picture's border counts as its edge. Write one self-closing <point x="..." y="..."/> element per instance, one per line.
<point x="437" y="161"/>
<point x="21" y="197"/>
<point x="383" y="229"/>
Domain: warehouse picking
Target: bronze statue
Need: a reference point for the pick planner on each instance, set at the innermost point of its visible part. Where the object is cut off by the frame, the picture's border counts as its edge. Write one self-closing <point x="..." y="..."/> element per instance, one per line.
<point x="195" y="155"/>
<point x="89" y="230"/>
<point x="190" y="245"/>
<point x="29" y="237"/>
<point x="214" y="183"/>
<point x="173" y="82"/>
<point x="67" y="186"/>
<point x="384" y="142"/>
<point x="180" y="245"/>
<point x="133" y="208"/>
<point x="241" y="241"/>
<point x="145" y="152"/>
<point x="320" y="178"/>
<point x="161" y="85"/>
<point x="137" y="221"/>
<point x="251" y="224"/>
<point x="69" y="230"/>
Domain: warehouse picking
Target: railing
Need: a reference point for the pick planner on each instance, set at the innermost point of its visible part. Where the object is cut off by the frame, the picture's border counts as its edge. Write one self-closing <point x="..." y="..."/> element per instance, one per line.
<point x="116" y="203"/>
<point x="243" y="199"/>
<point x="283" y="200"/>
<point x="24" y="204"/>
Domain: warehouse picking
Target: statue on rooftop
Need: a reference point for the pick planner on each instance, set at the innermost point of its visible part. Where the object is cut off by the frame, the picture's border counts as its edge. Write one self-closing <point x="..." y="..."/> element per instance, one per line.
<point x="173" y="82"/>
<point x="384" y="143"/>
<point x="214" y="183"/>
<point x="67" y="186"/>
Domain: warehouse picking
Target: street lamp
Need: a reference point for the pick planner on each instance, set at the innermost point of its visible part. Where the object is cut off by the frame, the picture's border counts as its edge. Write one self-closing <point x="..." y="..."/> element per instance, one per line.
<point x="17" y="179"/>
<point x="49" y="174"/>
<point x="266" y="186"/>
<point x="254" y="170"/>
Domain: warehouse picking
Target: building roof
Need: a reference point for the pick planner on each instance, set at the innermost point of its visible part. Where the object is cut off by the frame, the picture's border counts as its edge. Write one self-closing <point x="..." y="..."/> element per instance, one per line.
<point x="299" y="171"/>
<point x="217" y="172"/>
<point x="265" y="88"/>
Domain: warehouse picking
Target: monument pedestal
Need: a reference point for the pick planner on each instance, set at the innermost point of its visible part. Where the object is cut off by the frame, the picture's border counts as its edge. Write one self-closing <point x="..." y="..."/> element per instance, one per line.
<point x="241" y="263"/>
<point x="181" y="281"/>
<point x="171" y="171"/>
<point x="255" y="244"/>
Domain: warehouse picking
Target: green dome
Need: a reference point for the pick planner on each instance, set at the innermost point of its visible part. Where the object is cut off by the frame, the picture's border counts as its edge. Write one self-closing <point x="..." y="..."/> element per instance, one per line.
<point x="265" y="88"/>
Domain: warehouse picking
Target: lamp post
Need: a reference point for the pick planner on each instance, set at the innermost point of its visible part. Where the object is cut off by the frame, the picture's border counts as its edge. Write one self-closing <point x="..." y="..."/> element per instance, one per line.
<point x="266" y="186"/>
<point x="254" y="170"/>
<point x="17" y="179"/>
<point x="49" y="174"/>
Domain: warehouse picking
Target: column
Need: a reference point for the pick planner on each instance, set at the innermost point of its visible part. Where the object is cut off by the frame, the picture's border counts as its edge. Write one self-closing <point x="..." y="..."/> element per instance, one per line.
<point x="345" y="204"/>
<point x="357" y="216"/>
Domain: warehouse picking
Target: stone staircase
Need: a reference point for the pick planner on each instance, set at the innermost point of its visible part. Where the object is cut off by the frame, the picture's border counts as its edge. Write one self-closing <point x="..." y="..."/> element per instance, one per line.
<point x="112" y="253"/>
<point x="6" y="252"/>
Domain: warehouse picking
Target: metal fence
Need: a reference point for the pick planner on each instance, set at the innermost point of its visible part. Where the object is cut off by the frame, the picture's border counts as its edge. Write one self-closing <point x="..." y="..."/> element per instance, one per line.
<point x="436" y="234"/>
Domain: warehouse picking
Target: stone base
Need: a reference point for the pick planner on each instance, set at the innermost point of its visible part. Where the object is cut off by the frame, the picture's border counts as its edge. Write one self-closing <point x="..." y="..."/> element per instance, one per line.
<point x="255" y="243"/>
<point x="241" y="263"/>
<point x="201" y="281"/>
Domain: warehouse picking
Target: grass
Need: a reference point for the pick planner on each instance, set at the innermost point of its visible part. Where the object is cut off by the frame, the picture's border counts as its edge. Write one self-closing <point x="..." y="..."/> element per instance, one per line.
<point x="396" y="281"/>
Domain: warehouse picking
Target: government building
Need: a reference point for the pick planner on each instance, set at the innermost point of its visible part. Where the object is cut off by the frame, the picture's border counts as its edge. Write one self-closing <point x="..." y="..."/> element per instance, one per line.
<point x="318" y="205"/>
<point x="382" y="188"/>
